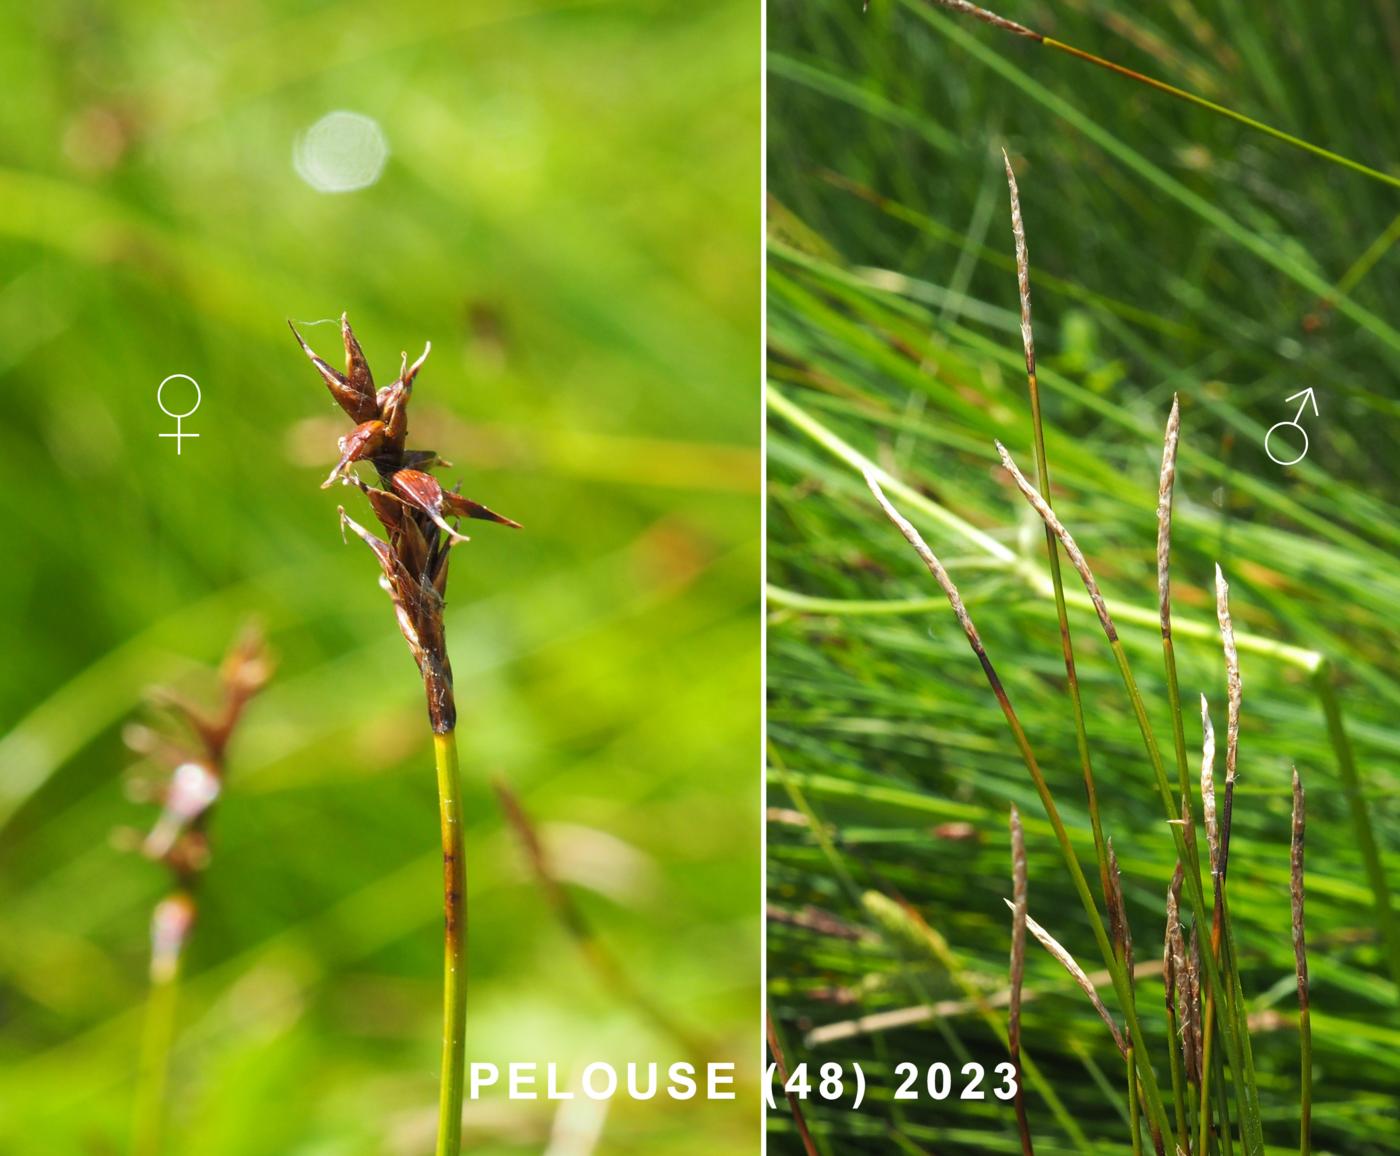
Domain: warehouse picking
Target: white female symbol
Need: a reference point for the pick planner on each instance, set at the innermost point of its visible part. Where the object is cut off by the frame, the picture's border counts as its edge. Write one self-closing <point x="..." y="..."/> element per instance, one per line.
<point x="179" y="435"/>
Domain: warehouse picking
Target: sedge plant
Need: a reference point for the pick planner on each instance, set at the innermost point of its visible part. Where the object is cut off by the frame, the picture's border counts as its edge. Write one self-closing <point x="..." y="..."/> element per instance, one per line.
<point x="1204" y="998"/>
<point x="418" y="517"/>
<point x="195" y="757"/>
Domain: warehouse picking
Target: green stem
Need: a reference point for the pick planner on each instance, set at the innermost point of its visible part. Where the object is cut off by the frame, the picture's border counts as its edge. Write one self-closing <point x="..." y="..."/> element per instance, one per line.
<point x="1227" y="1143"/>
<point x="1221" y="110"/>
<point x="1133" y="1128"/>
<point x="1207" y="1066"/>
<point x="1178" y="1082"/>
<point x="158" y="1035"/>
<point x="1305" y="1127"/>
<point x="1052" y="550"/>
<point x="1250" y="1123"/>
<point x="454" y="974"/>
<point x="1360" y="818"/>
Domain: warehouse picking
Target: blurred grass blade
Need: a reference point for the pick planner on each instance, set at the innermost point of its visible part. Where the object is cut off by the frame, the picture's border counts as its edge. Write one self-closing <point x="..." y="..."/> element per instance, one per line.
<point x="1300" y="952"/>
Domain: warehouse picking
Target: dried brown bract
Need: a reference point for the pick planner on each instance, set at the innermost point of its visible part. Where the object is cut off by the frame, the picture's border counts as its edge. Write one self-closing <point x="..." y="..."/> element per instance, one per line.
<point x="417" y="514"/>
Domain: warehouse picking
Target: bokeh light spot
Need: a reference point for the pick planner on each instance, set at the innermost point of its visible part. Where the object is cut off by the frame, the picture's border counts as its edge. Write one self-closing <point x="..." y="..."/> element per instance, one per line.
<point x="341" y="152"/>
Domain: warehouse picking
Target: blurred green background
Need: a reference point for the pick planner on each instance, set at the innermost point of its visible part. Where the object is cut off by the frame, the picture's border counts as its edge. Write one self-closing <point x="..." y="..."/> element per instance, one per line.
<point x="569" y="213"/>
<point x="1171" y="251"/>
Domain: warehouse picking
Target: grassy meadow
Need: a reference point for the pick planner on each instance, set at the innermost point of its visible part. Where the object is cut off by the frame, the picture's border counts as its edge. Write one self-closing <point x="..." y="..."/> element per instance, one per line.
<point x="568" y="214"/>
<point x="1172" y="252"/>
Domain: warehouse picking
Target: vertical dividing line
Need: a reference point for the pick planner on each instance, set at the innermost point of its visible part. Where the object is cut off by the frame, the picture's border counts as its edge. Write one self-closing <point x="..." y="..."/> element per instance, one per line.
<point x="454" y="972"/>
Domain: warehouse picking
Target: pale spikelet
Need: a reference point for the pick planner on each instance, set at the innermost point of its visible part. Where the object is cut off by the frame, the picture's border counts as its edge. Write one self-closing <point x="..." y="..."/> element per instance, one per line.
<point x="1076" y="556"/>
<point x="1165" y="487"/>
<point x="1067" y="961"/>
<point x="1023" y="267"/>
<point x="935" y="567"/>
<point x="1208" y="786"/>
<point x="1300" y="954"/>
<point x="1232" y="727"/>
<point x="966" y="9"/>
<point x="1173" y="947"/>
<point x="1018" y="927"/>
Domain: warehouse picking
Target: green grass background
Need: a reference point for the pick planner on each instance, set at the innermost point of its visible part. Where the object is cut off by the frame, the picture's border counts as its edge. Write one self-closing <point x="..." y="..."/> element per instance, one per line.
<point x="1171" y="251"/>
<point x="569" y="214"/>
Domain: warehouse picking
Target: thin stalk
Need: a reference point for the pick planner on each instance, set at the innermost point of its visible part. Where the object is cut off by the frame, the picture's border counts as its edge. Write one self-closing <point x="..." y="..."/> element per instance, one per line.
<point x="1134" y="1130"/>
<point x="1018" y="972"/>
<point x="1300" y="957"/>
<point x="1212" y="826"/>
<point x="1222" y="1100"/>
<point x="1360" y="817"/>
<point x="454" y="971"/>
<point x="1253" y="1129"/>
<point x="1166" y="489"/>
<point x="1209" y="1062"/>
<point x="1121" y="982"/>
<point x="1170" y="89"/>
<point x="1052" y="548"/>
<point x="153" y="1068"/>
<point x="1229" y="957"/>
<point x="799" y="1121"/>
<point x="1170" y="981"/>
<point x="591" y="946"/>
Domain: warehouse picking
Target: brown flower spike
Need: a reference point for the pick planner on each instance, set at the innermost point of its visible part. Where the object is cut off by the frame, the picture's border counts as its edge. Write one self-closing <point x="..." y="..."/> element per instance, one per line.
<point x="410" y="504"/>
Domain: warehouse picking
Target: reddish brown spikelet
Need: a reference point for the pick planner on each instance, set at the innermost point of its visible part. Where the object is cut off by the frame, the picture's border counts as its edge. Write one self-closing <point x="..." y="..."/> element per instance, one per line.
<point x="412" y="508"/>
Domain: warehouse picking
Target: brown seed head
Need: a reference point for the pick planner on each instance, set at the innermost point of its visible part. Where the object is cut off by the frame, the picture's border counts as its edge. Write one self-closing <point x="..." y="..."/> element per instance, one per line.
<point x="411" y="506"/>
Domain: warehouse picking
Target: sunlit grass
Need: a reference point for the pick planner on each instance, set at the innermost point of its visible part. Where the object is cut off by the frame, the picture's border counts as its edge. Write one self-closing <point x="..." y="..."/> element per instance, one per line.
<point x="568" y="212"/>
<point x="1171" y="253"/>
